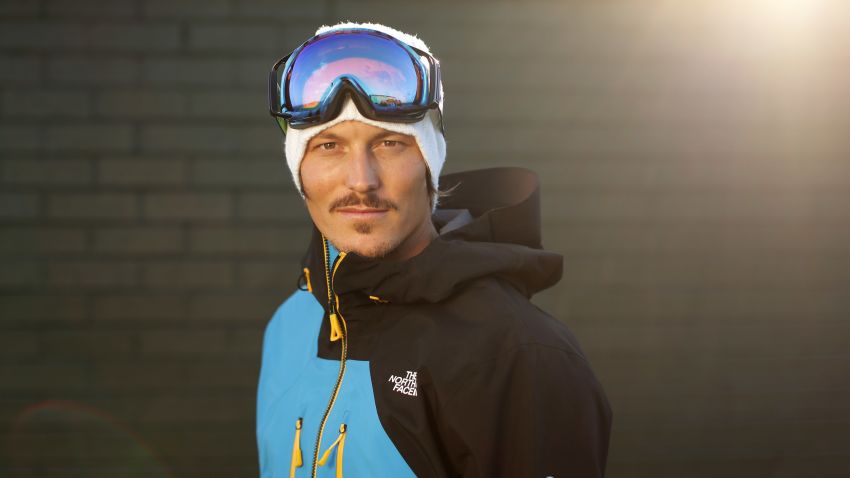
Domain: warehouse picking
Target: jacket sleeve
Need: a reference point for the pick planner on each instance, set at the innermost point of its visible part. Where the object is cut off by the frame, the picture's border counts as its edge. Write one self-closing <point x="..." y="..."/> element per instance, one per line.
<point x="535" y="412"/>
<point x="269" y="387"/>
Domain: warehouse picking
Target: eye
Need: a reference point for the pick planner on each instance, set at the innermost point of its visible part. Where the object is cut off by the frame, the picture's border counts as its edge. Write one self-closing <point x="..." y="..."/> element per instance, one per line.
<point x="330" y="145"/>
<point x="391" y="143"/>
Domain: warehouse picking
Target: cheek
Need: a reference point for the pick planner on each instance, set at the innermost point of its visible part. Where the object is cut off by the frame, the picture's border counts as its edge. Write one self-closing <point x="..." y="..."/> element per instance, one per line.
<point x="314" y="179"/>
<point x="409" y="180"/>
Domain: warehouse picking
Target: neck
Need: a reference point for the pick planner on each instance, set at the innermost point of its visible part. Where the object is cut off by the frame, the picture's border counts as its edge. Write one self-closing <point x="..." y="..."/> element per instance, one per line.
<point x="415" y="243"/>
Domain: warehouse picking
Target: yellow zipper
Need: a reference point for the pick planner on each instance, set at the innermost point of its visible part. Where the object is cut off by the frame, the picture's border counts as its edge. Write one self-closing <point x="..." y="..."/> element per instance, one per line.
<point x="296" y="461"/>
<point x="340" y="445"/>
<point x="341" y="333"/>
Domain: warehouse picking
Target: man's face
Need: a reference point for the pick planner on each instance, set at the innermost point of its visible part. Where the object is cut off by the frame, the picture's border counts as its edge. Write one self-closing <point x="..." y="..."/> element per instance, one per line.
<point x="366" y="190"/>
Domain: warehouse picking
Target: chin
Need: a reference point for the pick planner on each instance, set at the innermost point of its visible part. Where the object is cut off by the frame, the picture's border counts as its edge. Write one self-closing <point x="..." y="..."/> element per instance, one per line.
<point x="371" y="247"/>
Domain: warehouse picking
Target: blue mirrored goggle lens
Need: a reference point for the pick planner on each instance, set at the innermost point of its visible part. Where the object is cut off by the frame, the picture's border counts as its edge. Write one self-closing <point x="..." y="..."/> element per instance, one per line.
<point x="382" y="68"/>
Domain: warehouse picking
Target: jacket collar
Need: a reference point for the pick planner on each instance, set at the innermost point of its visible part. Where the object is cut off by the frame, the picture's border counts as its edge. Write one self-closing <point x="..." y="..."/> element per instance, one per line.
<point x="500" y="236"/>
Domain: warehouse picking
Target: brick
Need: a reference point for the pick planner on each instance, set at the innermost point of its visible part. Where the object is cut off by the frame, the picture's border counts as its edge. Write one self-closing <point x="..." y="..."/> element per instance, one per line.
<point x="185" y="274"/>
<point x="243" y="308"/>
<point x="597" y="174"/>
<point x="791" y="405"/>
<point x="187" y="206"/>
<point x="247" y="342"/>
<point x="180" y="343"/>
<point x="248" y="241"/>
<point x="42" y="307"/>
<point x="19" y="138"/>
<point x="19" y="8"/>
<point x="91" y="273"/>
<point x="728" y="446"/>
<point x="151" y="376"/>
<point x="189" y="71"/>
<point x="612" y="271"/>
<point x="253" y="38"/>
<point x="593" y="238"/>
<point x="20" y="69"/>
<point x="697" y="239"/>
<point x="208" y="409"/>
<point x="588" y="75"/>
<point x="647" y="305"/>
<point x="89" y="70"/>
<point x="46" y="171"/>
<point x="75" y="429"/>
<point x="228" y="104"/>
<point x="18" y="273"/>
<point x="18" y="205"/>
<point x="216" y="438"/>
<point x="66" y="377"/>
<point x="314" y="11"/>
<point x="732" y="340"/>
<point x="18" y="346"/>
<point x="286" y="207"/>
<point x="92" y="206"/>
<point x="433" y="14"/>
<point x="108" y="454"/>
<point x="89" y="137"/>
<point x="253" y="72"/>
<point x="84" y="345"/>
<point x="268" y="274"/>
<point x="108" y="36"/>
<point x="140" y="306"/>
<point x="138" y="240"/>
<point x="632" y="107"/>
<point x="186" y="9"/>
<point x="211" y="139"/>
<point x="145" y="171"/>
<point x="141" y="104"/>
<point x="767" y="374"/>
<point x="723" y="206"/>
<point x="26" y="240"/>
<point x="90" y="9"/>
<point x="593" y="206"/>
<point x="239" y="172"/>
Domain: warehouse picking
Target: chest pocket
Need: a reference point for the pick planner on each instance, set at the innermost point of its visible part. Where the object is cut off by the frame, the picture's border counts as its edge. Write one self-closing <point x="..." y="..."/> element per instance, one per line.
<point x="338" y="446"/>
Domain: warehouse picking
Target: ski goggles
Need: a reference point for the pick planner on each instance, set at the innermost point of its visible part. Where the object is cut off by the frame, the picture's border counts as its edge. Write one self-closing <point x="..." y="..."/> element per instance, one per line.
<point x="387" y="79"/>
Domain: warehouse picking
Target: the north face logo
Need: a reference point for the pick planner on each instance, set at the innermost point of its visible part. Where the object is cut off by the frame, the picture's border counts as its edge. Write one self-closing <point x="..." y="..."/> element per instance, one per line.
<point x="405" y="384"/>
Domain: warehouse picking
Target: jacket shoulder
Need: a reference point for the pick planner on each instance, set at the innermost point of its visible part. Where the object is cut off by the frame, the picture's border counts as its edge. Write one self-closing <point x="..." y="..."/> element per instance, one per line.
<point x="299" y="303"/>
<point x="504" y="319"/>
<point x="293" y="324"/>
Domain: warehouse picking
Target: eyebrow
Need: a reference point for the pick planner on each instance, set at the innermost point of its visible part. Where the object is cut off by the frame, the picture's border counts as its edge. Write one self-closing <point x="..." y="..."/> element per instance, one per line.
<point x="324" y="135"/>
<point x="386" y="133"/>
<point x="332" y="137"/>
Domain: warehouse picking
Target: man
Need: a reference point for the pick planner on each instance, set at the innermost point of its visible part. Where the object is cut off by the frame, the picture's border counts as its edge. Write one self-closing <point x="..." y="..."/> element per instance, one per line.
<point x="411" y="348"/>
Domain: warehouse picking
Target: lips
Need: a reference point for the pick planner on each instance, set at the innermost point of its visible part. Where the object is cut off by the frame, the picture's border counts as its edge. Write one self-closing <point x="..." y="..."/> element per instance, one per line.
<point x="352" y="209"/>
<point x="361" y="212"/>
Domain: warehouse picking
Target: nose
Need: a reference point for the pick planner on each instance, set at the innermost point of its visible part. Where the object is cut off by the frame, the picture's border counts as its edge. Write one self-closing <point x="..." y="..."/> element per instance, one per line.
<point x="362" y="175"/>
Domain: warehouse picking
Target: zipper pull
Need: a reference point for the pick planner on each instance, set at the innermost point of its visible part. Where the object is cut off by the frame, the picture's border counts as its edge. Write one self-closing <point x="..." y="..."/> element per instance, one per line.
<point x="375" y="298"/>
<point x="340" y="440"/>
<point x="307" y="279"/>
<point x="336" y="330"/>
<point x="296" y="461"/>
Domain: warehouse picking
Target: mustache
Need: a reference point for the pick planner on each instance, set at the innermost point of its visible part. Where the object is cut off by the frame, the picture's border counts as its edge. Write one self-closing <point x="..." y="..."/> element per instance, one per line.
<point x="370" y="200"/>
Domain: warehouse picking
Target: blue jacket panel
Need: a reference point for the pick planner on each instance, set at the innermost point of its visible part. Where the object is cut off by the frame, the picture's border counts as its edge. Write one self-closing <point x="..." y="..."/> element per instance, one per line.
<point x="295" y="383"/>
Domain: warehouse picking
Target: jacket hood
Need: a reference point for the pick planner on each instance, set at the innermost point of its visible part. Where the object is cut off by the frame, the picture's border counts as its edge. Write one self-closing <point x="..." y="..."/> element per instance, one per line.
<point x="489" y="226"/>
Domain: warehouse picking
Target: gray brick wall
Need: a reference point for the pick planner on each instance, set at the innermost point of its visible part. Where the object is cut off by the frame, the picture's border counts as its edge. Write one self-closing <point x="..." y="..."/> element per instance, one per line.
<point x="694" y="165"/>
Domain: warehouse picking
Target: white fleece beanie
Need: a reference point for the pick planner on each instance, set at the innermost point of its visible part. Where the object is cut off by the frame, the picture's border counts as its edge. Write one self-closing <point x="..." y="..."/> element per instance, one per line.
<point x="430" y="140"/>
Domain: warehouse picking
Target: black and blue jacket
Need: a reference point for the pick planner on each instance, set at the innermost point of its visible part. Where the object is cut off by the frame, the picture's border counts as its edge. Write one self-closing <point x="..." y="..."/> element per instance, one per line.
<point x="436" y="366"/>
